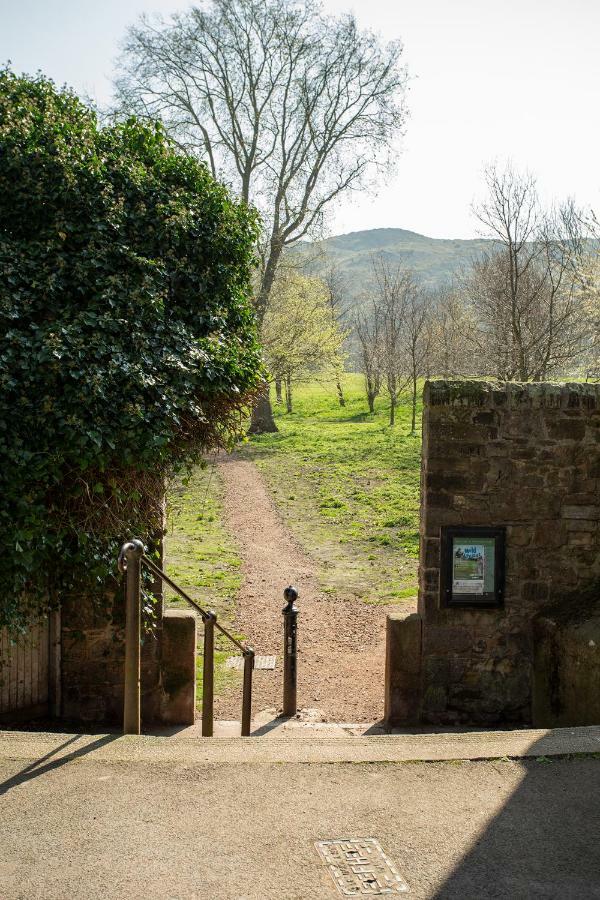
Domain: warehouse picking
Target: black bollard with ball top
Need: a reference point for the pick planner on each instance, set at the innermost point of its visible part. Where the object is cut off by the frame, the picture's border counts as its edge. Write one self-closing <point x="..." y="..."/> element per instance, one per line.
<point x="290" y="651"/>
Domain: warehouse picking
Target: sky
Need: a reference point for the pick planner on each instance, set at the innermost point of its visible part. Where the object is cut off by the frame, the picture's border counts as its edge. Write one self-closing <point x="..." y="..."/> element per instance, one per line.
<point x="515" y="80"/>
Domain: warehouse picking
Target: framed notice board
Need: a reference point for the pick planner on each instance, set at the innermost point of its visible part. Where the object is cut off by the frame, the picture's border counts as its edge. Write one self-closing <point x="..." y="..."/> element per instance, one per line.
<point x="472" y="567"/>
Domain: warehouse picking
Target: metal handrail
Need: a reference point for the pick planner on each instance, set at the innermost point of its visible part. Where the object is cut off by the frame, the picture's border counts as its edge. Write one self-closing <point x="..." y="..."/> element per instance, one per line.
<point x="133" y="552"/>
<point x="156" y="571"/>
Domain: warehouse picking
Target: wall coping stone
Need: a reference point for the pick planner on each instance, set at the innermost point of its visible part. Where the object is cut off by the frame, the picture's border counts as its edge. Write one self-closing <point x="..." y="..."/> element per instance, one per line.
<point x="178" y="613"/>
<point x="402" y="616"/>
<point x="511" y="394"/>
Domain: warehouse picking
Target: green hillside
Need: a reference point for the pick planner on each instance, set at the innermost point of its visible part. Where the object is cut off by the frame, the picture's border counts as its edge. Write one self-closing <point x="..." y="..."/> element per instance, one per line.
<point x="435" y="260"/>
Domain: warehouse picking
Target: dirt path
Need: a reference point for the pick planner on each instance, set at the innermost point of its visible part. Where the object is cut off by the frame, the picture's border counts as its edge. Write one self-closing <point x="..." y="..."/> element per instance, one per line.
<point x="341" y="646"/>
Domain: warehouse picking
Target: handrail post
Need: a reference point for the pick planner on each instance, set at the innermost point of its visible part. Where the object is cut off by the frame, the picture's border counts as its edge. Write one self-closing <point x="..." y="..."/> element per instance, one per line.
<point x="247" y="691"/>
<point x="208" y="674"/>
<point x="290" y="651"/>
<point x="130" y="562"/>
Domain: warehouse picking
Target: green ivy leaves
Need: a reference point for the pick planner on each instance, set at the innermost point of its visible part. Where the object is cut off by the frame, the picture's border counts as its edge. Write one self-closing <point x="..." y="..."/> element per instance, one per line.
<point x="127" y="338"/>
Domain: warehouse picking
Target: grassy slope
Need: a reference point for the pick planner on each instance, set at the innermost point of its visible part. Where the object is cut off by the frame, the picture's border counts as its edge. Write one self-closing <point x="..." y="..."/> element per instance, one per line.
<point x="348" y="485"/>
<point x="201" y="557"/>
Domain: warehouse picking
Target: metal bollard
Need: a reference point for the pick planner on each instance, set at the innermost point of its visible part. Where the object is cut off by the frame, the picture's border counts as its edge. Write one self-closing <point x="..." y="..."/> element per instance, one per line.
<point x="290" y="651"/>
<point x="208" y="675"/>
<point x="130" y="562"/>
<point x="247" y="691"/>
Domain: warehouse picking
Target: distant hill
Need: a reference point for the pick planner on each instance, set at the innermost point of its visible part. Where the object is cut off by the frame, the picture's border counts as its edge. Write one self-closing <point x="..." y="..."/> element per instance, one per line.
<point x="435" y="260"/>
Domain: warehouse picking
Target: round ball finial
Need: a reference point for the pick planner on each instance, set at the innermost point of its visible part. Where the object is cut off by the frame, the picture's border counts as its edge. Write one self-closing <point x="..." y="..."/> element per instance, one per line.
<point x="290" y="594"/>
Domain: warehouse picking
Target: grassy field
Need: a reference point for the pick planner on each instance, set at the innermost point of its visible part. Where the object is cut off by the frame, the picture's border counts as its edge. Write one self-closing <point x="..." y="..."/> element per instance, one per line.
<point x="348" y="486"/>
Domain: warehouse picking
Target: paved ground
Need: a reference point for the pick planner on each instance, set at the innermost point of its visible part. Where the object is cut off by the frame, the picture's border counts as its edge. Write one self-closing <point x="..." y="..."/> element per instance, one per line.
<point x="304" y="744"/>
<point x="107" y="817"/>
<point x="341" y="648"/>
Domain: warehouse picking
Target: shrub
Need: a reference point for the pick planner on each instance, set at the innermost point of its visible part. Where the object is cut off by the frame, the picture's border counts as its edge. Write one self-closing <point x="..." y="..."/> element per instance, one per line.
<point x="127" y="340"/>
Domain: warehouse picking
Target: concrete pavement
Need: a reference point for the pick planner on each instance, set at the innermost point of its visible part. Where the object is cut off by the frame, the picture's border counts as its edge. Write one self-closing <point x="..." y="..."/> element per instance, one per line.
<point x="102" y="816"/>
<point x="292" y="743"/>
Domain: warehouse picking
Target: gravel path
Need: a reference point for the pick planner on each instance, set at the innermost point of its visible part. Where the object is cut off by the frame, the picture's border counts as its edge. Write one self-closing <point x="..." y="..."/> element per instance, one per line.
<point x="341" y="644"/>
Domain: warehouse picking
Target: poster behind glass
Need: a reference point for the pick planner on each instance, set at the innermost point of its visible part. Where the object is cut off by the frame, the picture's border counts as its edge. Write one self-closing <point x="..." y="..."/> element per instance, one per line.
<point x="472" y="575"/>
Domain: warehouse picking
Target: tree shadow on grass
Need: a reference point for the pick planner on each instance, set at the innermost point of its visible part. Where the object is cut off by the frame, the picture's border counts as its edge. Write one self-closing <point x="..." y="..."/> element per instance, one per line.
<point x="46" y="764"/>
<point x="358" y="417"/>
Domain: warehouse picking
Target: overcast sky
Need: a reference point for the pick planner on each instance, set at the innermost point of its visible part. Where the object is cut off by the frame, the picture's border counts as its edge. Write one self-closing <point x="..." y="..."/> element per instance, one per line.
<point x="516" y="79"/>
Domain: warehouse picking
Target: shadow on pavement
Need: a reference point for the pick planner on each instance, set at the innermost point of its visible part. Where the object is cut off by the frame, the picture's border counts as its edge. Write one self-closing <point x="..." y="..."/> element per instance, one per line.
<point x="544" y="843"/>
<point x="273" y="725"/>
<point x="42" y="765"/>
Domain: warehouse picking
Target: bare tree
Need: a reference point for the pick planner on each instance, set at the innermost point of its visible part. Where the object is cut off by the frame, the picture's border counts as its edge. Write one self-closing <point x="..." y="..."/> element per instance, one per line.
<point x="367" y="327"/>
<point x="523" y="291"/>
<point x="393" y="289"/>
<point x="336" y="293"/>
<point x="454" y="326"/>
<point x="395" y="333"/>
<point x="588" y="289"/>
<point x="288" y="105"/>
<point x="417" y="342"/>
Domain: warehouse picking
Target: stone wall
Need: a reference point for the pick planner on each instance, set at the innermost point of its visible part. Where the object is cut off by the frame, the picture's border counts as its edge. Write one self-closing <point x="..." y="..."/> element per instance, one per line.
<point x="526" y="457"/>
<point x="566" y="671"/>
<point x="403" y="668"/>
<point x="178" y="667"/>
<point x="92" y="664"/>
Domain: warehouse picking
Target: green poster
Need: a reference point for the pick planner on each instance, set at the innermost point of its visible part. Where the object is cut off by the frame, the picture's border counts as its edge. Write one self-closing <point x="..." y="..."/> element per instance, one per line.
<point x="473" y="566"/>
<point x="468" y="568"/>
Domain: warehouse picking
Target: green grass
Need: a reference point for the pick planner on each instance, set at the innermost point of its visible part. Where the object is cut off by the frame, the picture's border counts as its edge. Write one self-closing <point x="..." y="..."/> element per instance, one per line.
<point x="201" y="557"/>
<point x="224" y="678"/>
<point x="348" y="486"/>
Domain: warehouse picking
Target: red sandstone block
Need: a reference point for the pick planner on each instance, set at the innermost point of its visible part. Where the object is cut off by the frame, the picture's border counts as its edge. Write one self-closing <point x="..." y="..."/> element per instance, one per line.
<point x="569" y="511"/>
<point x="178" y="667"/>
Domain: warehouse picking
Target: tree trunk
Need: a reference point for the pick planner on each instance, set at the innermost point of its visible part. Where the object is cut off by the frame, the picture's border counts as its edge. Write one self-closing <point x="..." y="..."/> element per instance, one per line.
<point x="392" y="385"/>
<point x="278" y="395"/>
<point x="288" y="392"/>
<point x="371" y="389"/>
<point x="413" y="427"/>
<point x="262" y="421"/>
<point x="340" y="392"/>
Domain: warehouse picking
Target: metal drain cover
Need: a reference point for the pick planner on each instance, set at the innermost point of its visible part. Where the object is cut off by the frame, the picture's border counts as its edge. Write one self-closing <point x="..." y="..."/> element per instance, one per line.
<point x="360" y="868"/>
<point x="260" y="662"/>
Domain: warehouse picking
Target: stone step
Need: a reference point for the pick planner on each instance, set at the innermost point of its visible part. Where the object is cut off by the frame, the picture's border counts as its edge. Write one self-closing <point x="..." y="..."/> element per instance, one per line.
<point x="270" y="724"/>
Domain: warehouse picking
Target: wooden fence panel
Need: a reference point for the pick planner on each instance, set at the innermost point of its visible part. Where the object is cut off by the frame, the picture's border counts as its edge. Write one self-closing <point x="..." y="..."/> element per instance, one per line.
<point x="24" y="671"/>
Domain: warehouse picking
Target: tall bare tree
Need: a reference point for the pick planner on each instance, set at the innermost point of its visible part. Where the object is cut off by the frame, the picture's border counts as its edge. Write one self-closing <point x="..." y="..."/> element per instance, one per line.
<point x="524" y="291"/>
<point x="367" y="328"/>
<point x="336" y="295"/>
<point x="394" y="287"/>
<point x="290" y="106"/>
<point x="588" y="272"/>
<point x="454" y="326"/>
<point x="417" y="341"/>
